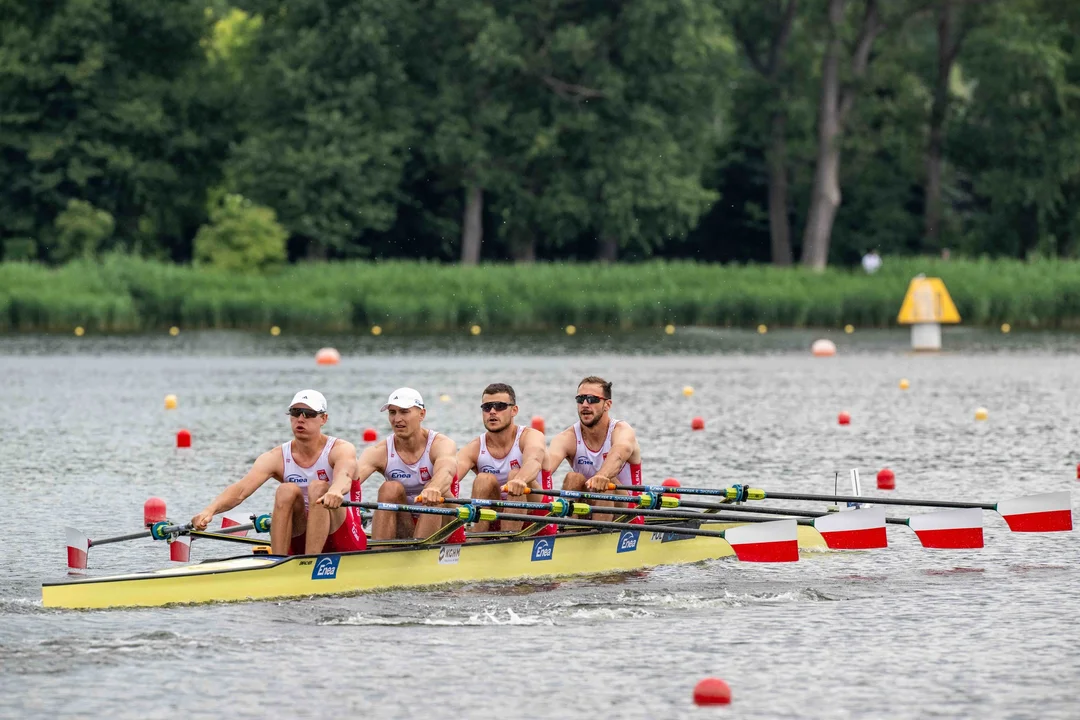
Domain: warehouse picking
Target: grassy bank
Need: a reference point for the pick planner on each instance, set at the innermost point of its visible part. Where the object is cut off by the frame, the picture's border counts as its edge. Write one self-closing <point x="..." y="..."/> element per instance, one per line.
<point x="127" y="294"/>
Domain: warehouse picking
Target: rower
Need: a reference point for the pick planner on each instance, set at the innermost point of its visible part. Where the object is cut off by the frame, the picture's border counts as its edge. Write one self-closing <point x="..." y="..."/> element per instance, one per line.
<point x="417" y="465"/>
<point x="304" y="466"/>
<point x="617" y="457"/>
<point x="507" y="456"/>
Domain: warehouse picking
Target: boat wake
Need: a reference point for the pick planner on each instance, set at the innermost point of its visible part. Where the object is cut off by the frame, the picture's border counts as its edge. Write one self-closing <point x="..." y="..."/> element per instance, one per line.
<point x="488" y="616"/>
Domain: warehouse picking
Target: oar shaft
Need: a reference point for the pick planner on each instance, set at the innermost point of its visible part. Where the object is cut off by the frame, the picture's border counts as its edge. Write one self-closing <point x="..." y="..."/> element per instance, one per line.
<point x="570" y="522"/>
<point x="119" y="538"/>
<point x="227" y="538"/>
<point x="583" y="495"/>
<point x="769" y="495"/>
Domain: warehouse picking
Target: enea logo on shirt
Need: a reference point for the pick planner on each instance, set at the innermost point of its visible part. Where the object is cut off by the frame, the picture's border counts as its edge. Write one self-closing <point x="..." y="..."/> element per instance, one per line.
<point x="582" y="460"/>
<point x="627" y="541"/>
<point x="543" y="549"/>
<point x="294" y="478"/>
<point x="400" y="475"/>
<point x="325" y="567"/>
<point x="489" y="469"/>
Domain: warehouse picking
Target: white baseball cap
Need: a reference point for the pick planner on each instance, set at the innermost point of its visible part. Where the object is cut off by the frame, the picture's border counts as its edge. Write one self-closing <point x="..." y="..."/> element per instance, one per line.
<point x="312" y="398"/>
<point x="404" y="398"/>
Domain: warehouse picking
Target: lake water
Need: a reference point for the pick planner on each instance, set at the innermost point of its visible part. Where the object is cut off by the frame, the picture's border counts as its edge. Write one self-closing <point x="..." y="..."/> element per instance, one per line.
<point x="903" y="632"/>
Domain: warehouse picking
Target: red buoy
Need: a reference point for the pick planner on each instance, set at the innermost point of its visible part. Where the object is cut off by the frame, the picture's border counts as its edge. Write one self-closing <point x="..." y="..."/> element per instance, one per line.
<point x="886" y="479"/>
<point x="183" y="438"/>
<point x="844" y="418"/>
<point x="370" y="435"/>
<point x="712" y="691"/>
<point x="671" y="483"/>
<point x="538" y="424"/>
<point x="697" y="423"/>
<point x="153" y="510"/>
<point x="1078" y="471"/>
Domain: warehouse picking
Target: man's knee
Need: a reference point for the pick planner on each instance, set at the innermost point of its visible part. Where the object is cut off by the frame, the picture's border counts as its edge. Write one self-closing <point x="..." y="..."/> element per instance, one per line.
<point x="392" y="491"/>
<point x="574" y="481"/>
<point x="287" y="494"/>
<point x="486" y="485"/>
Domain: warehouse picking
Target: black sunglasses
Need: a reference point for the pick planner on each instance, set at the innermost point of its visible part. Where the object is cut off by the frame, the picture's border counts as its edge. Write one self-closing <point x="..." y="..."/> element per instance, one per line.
<point x="591" y="399"/>
<point x="497" y="406"/>
<point x="309" y="414"/>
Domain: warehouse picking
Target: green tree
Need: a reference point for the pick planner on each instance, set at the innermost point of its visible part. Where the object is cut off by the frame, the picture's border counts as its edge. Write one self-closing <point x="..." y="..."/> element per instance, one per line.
<point x="81" y="230"/>
<point x="241" y="237"/>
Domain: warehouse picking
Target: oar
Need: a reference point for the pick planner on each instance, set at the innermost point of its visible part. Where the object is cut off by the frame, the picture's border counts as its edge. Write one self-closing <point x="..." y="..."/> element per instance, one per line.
<point x="78" y="544"/>
<point x="1046" y="512"/>
<point x="862" y="529"/>
<point x="775" y="541"/>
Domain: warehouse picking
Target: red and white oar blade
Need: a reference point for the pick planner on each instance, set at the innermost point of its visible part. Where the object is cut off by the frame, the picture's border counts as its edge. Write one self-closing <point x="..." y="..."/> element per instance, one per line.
<point x="776" y="541"/>
<point x="228" y="520"/>
<point x="78" y="545"/>
<point x="1049" y="512"/>
<point x="862" y="529"/>
<point x="180" y="549"/>
<point x="950" y="529"/>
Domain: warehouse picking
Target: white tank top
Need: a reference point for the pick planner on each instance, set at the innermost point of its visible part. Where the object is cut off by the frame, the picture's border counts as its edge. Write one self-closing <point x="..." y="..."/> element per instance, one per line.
<point x="501" y="467"/>
<point x="303" y="476"/>
<point x="414" y="476"/>
<point x="588" y="462"/>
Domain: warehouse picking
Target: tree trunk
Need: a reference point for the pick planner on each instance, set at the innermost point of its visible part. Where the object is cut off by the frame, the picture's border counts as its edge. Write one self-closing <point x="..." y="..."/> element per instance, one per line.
<point x="835" y="107"/>
<point x="779" y="228"/>
<point x="472" y="231"/>
<point x="825" y="192"/>
<point x="523" y="248"/>
<point x="936" y="142"/>
<point x="609" y="249"/>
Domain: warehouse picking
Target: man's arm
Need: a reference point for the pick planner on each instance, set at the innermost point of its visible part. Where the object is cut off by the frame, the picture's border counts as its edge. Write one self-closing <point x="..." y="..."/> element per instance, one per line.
<point x="623" y="441"/>
<point x="444" y="458"/>
<point x="269" y="464"/>
<point x="562" y="448"/>
<point x="372" y="460"/>
<point x="533" y="450"/>
<point x="466" y="459"/>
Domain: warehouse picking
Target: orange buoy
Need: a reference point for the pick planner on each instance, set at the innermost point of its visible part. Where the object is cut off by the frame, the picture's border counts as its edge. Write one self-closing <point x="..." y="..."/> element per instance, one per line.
<point x="183" y="438"/>
<point x="697" y="423"/>
<point x="153" y="510"/>
<point x="1078" y="471"/>
<point x="886" y="479"/>
<point x="823" y="348"/>
<point x="370" y="435"/>
<point x="712" y="691"/>
<point x="844" y="418"/>
<point x="537" y="423"/>
<point x="671" y="483"/>
<point x="327" y="356"/>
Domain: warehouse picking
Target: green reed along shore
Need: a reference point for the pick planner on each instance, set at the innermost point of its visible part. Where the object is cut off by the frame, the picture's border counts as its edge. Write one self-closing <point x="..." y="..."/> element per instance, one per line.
<point x="124" y="294"/>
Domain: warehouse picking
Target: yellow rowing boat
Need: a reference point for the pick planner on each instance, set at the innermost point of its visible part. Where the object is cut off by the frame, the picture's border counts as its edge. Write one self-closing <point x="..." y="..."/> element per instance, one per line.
<point x="253" y="577"/>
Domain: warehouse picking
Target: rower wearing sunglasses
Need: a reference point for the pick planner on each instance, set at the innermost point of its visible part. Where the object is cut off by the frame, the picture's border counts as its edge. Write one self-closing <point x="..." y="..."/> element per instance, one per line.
<point x="616" y="457"/>
<point x="305" y="466"/>
<point x="507" y="456"/>
<point x="417" y="465"/>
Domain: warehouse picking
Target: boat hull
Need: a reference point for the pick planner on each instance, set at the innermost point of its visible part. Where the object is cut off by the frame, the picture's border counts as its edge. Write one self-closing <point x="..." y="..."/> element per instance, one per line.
<point x="262" y="578"/>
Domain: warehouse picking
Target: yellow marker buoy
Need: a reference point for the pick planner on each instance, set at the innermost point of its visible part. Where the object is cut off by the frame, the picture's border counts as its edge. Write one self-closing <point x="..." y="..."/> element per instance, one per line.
<point x="762" y="329"/>
<point x="849" y="329"/>
<point x="1005" y="328"/>
<point x="570" y="329"/>
<point x="981" y="414"/>
<point x="170" y="402"/>
<point x="904" y="384"/>
<point x="669" y="329"/>
<point x="444" y="398"/>
<point x="174" y="331"/>
<point x="475" y="329"/>
<point x="376" y="330"/>
<point x="688" y="391"/>
<point x="275" y="331"/>
<point x="79" y="331"/>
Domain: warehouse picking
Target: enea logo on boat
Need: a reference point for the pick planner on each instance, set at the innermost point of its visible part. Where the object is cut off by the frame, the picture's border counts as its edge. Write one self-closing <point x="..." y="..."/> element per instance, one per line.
<point x="627" y="541"/>
<point x="325" y="567"/>
<point x="543" y="549"/>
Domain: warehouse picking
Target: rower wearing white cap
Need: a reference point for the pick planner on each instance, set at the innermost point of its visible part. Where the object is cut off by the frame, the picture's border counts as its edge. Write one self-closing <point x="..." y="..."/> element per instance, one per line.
<point x="305" y="467"/>
<point x="418" y="465"/>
